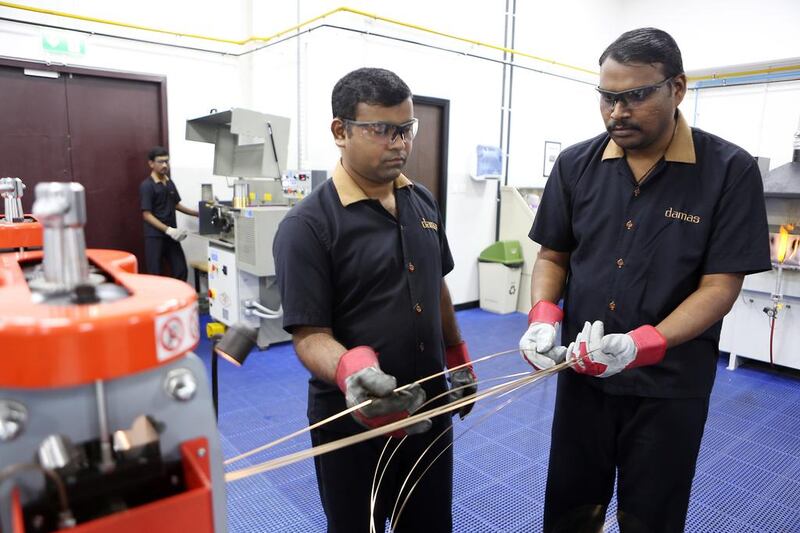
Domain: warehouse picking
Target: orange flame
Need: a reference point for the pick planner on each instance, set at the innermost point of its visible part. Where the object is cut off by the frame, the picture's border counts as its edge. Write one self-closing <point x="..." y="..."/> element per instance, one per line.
<point x="783" y="243"/>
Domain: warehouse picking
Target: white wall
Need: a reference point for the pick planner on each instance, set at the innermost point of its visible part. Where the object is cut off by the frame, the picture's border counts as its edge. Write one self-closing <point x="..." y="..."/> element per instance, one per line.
<point x="295" y="78"/>
<point x="719" y="33"/>
<point x="715" y="33"/>
<point x="473" y="87"/>
<point x="760" y="118"/>
<point x="196" y="81"/>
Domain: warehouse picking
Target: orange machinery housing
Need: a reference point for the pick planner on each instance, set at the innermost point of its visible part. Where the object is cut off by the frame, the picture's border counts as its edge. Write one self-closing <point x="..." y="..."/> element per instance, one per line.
<point x="20" y="235"/>
<point x="106" y="419"/>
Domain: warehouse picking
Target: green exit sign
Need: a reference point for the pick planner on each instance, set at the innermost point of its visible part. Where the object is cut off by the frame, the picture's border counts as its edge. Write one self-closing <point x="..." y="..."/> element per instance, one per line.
<point x="57" y="43"/>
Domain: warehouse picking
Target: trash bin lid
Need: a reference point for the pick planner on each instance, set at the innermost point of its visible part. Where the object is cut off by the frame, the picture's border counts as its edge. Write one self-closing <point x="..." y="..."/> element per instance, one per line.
<point x="508" y="253"/>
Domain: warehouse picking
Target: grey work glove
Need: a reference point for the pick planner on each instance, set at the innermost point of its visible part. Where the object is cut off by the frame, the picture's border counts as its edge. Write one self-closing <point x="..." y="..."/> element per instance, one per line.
<point x="538" y="343"/>
<point x="177" y="235"/>
<point x="601" y="355"/>
<point x="463" y="383"/>
<point x="360" y="378"/>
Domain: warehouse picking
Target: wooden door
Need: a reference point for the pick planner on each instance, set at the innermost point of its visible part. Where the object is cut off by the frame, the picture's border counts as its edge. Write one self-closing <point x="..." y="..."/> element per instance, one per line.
<point x="34" y="133"/>
<point x="427" y="163"/>
<point x="87" y="126"/>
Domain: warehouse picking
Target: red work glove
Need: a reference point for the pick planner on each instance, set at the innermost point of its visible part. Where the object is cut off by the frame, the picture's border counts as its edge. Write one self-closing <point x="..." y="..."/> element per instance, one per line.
<point x="605" y="355"/>
<point x="538" y="344"/>
<point x="360" y="378"/>
<point x="463" y="379"/>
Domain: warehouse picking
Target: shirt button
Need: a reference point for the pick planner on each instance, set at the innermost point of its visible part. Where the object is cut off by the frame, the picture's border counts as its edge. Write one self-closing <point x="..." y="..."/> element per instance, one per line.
<point x="620" y="263"/>
<point x="421" y="347"/>
<point x="629" y="224"/>
<point x="418" y="308"/>
<point x="411" y="267"/>
<point x="636" y="191"/>
<point x="612" y="305"/>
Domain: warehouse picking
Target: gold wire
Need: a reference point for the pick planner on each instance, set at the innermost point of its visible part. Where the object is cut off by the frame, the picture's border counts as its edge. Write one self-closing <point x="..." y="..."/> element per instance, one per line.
<point x="396" y="518"/>
<point x="375" y="489"/>
<point x="355" y="408"/>
<point x="382" y="430"/>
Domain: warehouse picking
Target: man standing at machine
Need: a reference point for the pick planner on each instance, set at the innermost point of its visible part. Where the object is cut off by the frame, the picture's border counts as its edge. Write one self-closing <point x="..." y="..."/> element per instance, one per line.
<point x="360" y="265"/>
<point x="648" y="231"/>
<point x="159" y="200"/>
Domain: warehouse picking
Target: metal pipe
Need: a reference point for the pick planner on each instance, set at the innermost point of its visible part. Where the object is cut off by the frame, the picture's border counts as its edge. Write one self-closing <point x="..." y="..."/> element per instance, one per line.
<point x="267" y="38"/>
<point x="106" y="458"/>
<point x="11" y="190"/>
<point x="61" y="208"/>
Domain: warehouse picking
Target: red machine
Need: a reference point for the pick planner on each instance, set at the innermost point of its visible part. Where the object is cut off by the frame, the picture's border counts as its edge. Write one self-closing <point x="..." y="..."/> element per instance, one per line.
<point x="17" y="230"/>
<point x="106" y="419"/>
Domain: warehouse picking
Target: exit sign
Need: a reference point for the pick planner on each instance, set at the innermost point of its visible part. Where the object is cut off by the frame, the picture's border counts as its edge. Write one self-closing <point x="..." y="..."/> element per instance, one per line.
<point x="57" y="43"/>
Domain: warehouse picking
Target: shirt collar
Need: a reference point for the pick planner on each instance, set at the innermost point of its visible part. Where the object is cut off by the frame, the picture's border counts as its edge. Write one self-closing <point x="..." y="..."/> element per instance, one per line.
<point x="349" y="191"/>
<point x="156" y="180"/>
<point x="680" y="149"/>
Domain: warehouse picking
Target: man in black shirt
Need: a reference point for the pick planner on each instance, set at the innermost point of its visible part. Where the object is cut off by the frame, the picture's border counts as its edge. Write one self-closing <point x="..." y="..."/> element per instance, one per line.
<point x="159" y="200"/>
<point x="647" y="232"/>
<point x="360" y="264"/>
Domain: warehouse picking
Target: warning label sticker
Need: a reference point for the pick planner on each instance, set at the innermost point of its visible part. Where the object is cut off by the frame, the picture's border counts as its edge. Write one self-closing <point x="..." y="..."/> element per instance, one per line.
<point x="176" y="332"/>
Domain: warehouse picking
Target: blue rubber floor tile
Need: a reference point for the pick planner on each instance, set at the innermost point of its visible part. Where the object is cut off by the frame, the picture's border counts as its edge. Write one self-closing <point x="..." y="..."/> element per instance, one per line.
<point x="504" y="508"/>
<point x="465" y="440"/>
<point x="495" y="460"/>
<point x="530" y="443"/>
<point x="705" y="519"/>
<point x="748" y="473"/>
<point x="742" y="474"/>
<point x="466" y="522"/>
<point x="530" y="482"/>
<point x="467" y="479"/>
<point x="766" y="458"/>
<point x="265" y="511"/>
<point x="768" y="516"/>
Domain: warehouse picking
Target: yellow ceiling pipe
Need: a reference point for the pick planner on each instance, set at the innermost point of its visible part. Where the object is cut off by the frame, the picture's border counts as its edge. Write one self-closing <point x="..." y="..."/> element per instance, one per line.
<point x="755" y="72"/>
<point x="257" y="38"/>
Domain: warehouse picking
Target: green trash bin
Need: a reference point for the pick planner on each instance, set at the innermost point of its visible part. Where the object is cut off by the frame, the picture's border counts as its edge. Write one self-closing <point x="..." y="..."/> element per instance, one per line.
<point x="499" y="273"/>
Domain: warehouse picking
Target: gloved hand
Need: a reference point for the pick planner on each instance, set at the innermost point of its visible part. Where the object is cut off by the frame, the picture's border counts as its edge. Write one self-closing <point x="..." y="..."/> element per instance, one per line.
<point x="537" y="345"/>
<point x="177" y="235"/>
<point x="462" y="379"/>
<point x="605" y="355"/>
<point x="360" y="378"/>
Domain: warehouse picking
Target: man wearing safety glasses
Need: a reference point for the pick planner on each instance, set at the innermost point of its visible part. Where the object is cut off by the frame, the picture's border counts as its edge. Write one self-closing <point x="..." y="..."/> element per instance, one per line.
<point x="646" y="231"/>
<point x="360" y="263"/>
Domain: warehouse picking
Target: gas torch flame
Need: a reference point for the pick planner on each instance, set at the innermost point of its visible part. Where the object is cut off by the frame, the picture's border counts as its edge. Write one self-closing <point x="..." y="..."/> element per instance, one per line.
<point x="783" y="243"/>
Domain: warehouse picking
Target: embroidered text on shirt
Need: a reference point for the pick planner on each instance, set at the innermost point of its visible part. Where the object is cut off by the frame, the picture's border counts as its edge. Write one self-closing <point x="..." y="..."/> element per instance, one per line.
<point x="427" y="224"/>
<point x="686" y="217"/>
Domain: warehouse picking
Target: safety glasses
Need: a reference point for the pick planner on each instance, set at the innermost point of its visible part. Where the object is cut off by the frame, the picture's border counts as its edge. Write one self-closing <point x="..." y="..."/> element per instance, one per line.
<point x="631" y="97"/>
<point x="384" y="132"/>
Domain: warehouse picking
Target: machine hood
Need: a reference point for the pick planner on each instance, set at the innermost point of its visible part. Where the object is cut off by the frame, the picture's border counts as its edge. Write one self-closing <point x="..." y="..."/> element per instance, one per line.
<point x="784" y="181"/>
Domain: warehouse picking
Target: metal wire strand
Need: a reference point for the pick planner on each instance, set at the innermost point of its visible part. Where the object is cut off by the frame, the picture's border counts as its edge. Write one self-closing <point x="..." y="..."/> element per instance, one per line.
<point x="376" y="488"/>
<point x="388" y="428"/>
<point x="12" y="470"/>
<point x="396" y="517"/>
<point x="355" y="408"/>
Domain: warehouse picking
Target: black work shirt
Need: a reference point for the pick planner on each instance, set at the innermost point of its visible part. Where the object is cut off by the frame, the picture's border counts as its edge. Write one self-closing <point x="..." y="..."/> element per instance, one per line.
<point x="638" y="251"/>
<point x="344" y="262"/>
<point x="160" y="198"/>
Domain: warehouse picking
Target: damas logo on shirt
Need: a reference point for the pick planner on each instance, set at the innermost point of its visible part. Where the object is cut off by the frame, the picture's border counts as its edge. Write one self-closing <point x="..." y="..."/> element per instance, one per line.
<point x="427" y="224"/>
<point x="685" y="217"/>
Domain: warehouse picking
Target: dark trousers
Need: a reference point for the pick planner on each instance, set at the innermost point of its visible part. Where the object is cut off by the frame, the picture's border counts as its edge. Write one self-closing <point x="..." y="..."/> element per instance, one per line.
<point x="160" y="249"/>
<point x="650" y="444"/>
<point x="344" y="478"/>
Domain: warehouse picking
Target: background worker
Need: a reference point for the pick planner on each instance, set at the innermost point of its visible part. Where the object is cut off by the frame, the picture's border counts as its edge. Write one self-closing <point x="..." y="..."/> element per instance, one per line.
<point x="360" y="264"/>
<point x="647" y="232"/>
<point x="159" y="200"/>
